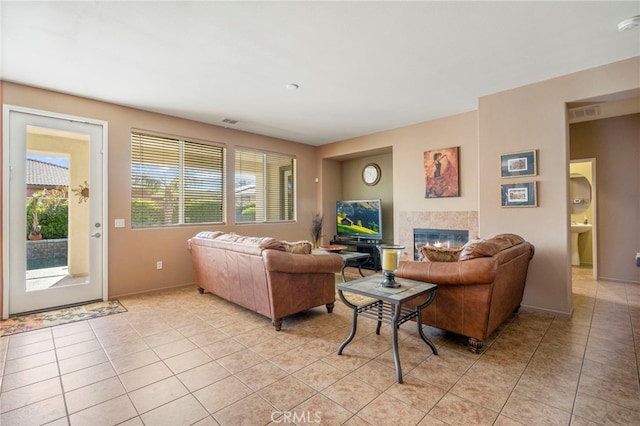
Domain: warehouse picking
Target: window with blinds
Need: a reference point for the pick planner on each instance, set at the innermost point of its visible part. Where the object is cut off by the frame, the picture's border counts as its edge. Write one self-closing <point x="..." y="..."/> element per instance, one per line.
<point x="175" y="181"/>
<point x="264" y="187"/>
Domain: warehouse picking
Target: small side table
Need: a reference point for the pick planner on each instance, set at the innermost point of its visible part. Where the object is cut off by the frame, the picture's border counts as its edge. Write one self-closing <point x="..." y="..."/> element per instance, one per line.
<point x="348" y="257"/>
<point x="388" y="308"/>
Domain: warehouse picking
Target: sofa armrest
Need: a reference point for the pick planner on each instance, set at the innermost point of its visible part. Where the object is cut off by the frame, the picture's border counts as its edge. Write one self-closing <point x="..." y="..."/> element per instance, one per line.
<point x="468" y="272"/>
<point x="280" y="261"/>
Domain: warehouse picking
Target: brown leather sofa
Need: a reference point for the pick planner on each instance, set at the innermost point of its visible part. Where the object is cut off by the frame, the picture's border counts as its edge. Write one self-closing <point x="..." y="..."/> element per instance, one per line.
<point x="479" y="291"/>
<point x="265" y="275"/>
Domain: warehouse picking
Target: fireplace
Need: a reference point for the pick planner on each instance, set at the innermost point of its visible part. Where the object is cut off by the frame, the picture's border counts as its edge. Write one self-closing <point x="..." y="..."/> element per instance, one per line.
<point x="437" y="237"/>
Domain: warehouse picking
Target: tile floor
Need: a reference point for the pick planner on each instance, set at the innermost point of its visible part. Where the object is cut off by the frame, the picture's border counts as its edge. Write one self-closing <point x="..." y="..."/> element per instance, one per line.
<point x="181" y="358"/>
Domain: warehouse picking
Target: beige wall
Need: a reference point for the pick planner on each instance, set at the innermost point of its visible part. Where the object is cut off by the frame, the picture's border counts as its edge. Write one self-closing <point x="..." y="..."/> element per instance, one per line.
<point x="534" y="117"/>
<point x="353" y="188"/>
<point x="133" y="253"/>
<point x="615" y="144"/>
<point x="330" y="190"/>
<point x="525" y="118"/>
<point x="409" y="144"/>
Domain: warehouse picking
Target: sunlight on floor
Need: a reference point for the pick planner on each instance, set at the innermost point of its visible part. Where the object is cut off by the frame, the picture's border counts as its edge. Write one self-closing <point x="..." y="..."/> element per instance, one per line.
<point x="40" y="279"/>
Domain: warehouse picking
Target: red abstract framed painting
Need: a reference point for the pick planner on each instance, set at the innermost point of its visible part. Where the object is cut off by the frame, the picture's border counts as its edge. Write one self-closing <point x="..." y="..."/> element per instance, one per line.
<point x="441" y="173"/>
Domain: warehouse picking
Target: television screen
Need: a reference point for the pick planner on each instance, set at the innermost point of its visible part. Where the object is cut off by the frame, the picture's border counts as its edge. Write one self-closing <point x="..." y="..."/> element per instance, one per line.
<point x="359" y="218"/>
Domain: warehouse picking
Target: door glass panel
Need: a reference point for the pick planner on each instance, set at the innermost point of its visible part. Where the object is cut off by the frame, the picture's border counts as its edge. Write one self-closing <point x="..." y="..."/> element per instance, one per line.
<point x="57" y="209"/>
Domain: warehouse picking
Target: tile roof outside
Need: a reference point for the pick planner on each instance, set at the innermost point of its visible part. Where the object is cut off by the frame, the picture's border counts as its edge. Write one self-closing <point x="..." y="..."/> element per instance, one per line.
<point x="40" y="173"/>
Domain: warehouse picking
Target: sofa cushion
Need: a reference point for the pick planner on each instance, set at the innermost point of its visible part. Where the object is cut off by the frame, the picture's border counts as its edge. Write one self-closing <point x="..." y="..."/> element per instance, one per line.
<point x="209" y="234"/>
<point x="490" y="247"/>
<point x="297" y="247"/>
<point x="262" y="242"/>
<point x="441" y="254"/>
<point x="271" y="243"/>
<point x="512" y="238"/>
<point x="232" y="237"/>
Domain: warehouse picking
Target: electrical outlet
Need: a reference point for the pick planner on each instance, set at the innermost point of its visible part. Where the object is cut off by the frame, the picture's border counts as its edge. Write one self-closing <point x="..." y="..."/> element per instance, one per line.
<point x="159" y="264"/>
<point x="118" y="223"/>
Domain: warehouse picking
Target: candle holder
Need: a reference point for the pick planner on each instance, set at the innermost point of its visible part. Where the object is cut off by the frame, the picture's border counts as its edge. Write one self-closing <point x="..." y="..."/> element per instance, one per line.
<point x="390" y="258"/>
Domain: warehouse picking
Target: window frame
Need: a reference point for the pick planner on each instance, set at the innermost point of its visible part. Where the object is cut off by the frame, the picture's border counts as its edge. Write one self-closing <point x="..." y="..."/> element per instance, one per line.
<point x="183" y="164"/>
<point x="287" y="200"/>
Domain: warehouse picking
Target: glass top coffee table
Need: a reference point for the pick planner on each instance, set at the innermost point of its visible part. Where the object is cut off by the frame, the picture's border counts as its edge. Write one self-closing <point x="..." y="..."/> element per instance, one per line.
<point x="388" y="308"/>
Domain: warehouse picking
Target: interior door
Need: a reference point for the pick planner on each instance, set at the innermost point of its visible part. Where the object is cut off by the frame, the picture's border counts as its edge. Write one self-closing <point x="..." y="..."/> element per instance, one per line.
<point x="44" y="273"/>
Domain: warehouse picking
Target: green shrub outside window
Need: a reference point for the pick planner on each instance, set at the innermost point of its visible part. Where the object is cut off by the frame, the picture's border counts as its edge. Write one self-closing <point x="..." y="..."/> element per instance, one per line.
<point x="52" y="213"/>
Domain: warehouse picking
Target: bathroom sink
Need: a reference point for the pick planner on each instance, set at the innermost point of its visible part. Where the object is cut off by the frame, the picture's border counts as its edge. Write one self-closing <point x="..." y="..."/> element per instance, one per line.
<point x="580" y="228"/>
<point x="577" y="229"/>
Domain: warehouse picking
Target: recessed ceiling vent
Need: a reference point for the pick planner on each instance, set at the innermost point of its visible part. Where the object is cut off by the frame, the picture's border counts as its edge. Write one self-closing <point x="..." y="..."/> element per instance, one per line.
<point x="584" y="113"/>
<point x="229" y="121"/>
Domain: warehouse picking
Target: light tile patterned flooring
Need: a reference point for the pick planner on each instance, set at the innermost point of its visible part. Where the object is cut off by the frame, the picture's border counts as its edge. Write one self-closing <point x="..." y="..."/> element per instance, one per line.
<point x="181" y="358"/>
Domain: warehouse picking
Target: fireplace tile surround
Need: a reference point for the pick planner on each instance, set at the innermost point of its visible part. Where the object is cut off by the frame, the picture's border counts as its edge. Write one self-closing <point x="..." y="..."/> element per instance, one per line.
<point x="457" y="220"/>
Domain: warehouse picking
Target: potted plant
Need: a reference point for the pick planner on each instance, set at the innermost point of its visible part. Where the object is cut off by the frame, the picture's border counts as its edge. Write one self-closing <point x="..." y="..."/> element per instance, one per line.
<point x="316" y="230"/>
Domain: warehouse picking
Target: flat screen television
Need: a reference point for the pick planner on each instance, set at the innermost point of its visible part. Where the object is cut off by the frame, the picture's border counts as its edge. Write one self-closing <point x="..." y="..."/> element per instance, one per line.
<point x="360" y="219"/>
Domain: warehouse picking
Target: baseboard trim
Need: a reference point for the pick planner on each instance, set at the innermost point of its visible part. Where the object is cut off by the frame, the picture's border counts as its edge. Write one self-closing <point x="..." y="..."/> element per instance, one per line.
<point x="616" y="280"/>
<point x="548" y="311"/>
<point x="151" y="291"/>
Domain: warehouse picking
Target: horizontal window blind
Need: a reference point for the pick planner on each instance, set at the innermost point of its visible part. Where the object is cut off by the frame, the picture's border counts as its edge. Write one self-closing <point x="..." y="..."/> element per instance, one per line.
<point x="203" y="183"/>
<point x="264" y="187"/>
<point x="175" y="181"/>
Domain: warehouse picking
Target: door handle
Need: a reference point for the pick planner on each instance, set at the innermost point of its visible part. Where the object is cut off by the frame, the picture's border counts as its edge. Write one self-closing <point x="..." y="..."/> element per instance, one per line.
<point x="96" y="235"/>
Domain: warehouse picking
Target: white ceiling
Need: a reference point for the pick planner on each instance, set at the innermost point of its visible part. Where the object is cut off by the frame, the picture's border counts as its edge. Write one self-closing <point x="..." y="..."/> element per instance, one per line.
<point x="362" y="67"/>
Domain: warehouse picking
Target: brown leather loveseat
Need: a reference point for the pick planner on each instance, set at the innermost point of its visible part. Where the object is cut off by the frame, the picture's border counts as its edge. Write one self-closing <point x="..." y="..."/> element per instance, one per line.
<point x="265" y="275"/>
<point x="479" y="291"/>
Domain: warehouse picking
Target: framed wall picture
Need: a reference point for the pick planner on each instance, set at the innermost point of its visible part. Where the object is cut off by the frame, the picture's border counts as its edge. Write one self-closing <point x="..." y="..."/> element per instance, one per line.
<point x="519" y="194"/>
<point x="517" y="164"/>
<point x="441" y="173"/>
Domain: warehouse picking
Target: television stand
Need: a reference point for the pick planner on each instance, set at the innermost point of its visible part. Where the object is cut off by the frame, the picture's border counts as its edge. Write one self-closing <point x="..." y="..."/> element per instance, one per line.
<point x="363" y="246"/>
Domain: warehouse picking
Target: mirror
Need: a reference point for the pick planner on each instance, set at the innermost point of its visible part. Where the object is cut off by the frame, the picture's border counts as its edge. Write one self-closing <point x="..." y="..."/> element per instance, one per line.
<point x="580" y="193"/>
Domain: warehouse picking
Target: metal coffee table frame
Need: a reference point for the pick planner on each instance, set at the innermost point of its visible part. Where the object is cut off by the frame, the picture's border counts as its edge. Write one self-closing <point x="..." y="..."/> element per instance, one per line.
<point x="388" y="308"/>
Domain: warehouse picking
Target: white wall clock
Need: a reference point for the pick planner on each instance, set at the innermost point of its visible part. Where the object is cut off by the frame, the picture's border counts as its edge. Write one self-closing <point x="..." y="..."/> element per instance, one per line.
<point x="371" y="174"/>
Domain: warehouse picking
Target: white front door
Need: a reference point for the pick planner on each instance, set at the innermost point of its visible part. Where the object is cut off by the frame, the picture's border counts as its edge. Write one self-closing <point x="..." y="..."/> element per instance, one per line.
<point x="53" y="271"/>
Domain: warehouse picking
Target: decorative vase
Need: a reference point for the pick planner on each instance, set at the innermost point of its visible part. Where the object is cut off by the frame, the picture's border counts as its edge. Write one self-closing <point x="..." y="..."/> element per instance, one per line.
<point x="35" y="237"/>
